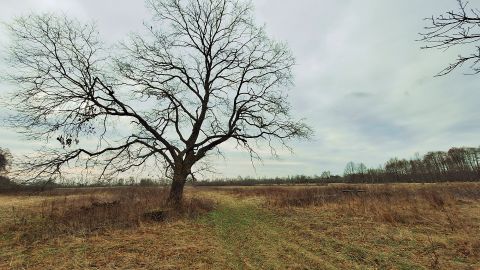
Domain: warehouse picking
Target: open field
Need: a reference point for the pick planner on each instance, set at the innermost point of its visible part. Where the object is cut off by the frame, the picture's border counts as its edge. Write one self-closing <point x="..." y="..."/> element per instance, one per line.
<point x="435" y="226"/>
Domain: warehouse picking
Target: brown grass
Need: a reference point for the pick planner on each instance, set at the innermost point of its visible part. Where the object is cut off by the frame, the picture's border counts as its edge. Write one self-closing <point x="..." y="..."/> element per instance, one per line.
<point x="83" y="212"/>
<point x="385" y="227"/>
<point x="437" y="224"/>
<point x="412" y="204"/>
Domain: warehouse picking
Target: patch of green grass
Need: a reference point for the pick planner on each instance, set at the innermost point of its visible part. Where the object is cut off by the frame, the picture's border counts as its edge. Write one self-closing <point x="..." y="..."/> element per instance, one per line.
<point x="408" y="266"/>
<point x="254" y="237"/>
<point x="247" y="233"/>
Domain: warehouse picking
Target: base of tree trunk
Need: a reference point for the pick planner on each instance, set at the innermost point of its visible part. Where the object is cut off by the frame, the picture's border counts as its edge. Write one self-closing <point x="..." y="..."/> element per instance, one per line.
<point x="175" y="197"/>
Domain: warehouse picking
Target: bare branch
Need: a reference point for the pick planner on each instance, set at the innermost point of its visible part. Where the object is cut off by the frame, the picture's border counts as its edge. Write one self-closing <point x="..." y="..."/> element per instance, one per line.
<point x="460" y="28"/>
<point x="202" y="75"/>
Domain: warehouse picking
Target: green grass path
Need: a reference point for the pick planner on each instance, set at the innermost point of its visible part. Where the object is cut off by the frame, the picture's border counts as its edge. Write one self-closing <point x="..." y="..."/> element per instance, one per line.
<point x="254" y="238"/>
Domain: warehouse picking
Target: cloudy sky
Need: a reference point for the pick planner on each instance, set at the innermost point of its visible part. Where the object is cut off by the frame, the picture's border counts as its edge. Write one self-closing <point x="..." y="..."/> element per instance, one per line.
<point x="361" y="80"/>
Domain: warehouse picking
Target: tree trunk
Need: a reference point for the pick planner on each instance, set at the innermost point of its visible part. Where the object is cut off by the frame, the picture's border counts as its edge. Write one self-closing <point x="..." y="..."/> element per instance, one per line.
<point x="176" y="190"/>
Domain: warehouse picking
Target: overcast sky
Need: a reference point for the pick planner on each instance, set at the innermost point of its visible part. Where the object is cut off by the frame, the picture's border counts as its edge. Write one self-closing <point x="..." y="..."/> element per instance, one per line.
<point x="361" y="80"/>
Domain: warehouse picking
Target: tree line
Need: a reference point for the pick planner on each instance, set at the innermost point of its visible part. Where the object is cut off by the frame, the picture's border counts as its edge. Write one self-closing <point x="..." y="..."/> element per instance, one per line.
<point x="457" y="164"/>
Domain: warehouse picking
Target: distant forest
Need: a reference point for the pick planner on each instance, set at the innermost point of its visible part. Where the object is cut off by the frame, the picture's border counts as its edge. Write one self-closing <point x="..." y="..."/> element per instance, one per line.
<point x="457" y="164"/>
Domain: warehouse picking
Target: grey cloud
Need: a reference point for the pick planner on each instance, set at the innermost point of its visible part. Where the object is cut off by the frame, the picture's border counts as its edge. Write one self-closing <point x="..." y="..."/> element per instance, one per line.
<point x="356" y="60"/>
<point x="360" y="94"/>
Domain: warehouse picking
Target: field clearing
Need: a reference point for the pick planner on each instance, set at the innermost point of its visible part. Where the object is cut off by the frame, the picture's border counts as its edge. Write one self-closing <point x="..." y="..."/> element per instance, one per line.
<point x="431" y="226"/>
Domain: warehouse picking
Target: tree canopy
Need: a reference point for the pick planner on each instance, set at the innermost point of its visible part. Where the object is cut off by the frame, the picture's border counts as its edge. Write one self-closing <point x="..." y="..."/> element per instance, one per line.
<point x="201" y="74"/>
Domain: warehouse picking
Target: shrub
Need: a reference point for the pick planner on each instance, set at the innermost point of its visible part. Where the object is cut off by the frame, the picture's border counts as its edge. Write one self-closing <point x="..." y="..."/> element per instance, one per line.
<point x="5" y="160"/>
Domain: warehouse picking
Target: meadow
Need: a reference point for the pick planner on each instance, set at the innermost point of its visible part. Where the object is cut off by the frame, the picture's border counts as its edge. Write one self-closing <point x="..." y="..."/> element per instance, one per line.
<point x="335" y="226"/>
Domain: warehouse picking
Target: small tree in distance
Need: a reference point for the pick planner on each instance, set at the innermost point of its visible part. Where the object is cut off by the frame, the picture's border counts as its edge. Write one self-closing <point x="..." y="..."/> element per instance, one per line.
<point x="202" y="75"/>
<point x="5" y="160"/>
<point x="460" y="28"/>
<point x="5" y="163"/>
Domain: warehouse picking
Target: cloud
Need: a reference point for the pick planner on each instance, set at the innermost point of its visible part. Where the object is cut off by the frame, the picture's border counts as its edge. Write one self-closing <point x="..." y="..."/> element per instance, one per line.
<point x="361" y="80"/>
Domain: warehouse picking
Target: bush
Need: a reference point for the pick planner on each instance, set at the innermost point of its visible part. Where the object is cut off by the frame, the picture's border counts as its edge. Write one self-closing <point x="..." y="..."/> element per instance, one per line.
<point x="5" y="160"/>
<point x="147" y="182"/>
<point x="6" y="183"/>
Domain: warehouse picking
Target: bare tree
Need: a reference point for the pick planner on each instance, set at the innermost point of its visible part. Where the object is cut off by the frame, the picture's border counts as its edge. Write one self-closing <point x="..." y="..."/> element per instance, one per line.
<point x="460" y="28"/>
<point x="350" y="170"/>
<point x="326" y="175"/>
<point x="202" y="74"/>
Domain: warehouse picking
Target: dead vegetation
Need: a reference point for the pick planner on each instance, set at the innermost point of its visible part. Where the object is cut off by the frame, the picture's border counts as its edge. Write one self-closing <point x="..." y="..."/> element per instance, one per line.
<point x="438" y="222"/>
<point x="83" y="211"/>
<point x="404" y="226"/>
<point x="409" y="204"/>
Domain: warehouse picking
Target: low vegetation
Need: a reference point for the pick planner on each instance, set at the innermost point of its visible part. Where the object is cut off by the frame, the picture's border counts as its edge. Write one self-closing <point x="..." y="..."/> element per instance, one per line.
<point x="408" y="226"/>
<point x="410" y="205"/>
<point x="87" y="211"/>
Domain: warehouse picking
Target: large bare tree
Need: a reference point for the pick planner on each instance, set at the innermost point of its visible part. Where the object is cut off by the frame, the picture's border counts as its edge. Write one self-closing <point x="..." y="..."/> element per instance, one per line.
<point x="456" y="28"/>
<point x="200" y="75"/>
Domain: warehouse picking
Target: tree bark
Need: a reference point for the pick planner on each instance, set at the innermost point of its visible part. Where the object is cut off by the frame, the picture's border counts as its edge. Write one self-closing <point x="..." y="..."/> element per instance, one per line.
<point x="176" y="192"/>
<point x="180" y="175"/>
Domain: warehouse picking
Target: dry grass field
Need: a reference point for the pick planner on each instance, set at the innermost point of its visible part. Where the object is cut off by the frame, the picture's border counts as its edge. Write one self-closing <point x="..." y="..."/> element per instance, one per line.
<point x="431" y="226"/>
